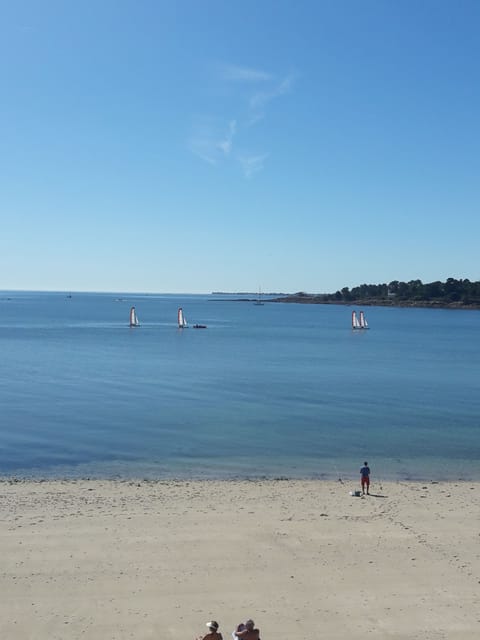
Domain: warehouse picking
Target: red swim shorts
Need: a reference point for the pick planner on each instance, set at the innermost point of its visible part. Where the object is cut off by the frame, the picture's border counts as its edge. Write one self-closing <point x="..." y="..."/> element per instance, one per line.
<point x="365" y="481"/>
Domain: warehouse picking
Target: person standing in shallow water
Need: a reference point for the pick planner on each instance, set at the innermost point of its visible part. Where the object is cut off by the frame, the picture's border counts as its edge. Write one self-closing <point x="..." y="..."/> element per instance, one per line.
<point x="365" y="478"/>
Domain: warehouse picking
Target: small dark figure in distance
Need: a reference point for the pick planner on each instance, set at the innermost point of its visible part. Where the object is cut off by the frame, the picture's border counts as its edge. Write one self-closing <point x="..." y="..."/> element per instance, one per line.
<point x="365" y="478"/>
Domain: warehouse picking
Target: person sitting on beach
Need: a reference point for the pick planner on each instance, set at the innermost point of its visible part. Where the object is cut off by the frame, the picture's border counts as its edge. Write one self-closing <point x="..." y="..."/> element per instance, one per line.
<point x="247" y="631"/>
<point x="214" y="634"/>
<point x="365" y="477"/>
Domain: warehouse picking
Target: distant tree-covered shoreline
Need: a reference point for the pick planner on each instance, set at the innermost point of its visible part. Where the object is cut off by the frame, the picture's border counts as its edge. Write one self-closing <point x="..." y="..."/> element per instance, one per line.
<point x="451" y="293"/>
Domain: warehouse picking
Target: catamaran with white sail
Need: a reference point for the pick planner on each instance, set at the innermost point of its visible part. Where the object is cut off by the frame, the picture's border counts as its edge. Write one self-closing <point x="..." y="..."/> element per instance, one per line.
<point x="182" y="321"/>
<point x="363" y="321"/>
<point x="133" y="318"/>
<point x="359" y="322"/>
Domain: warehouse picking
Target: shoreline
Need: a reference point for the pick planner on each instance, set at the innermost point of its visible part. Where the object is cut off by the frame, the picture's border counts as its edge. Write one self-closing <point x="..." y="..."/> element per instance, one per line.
<point x="340" y="483"/>
<point x="157" y="559"/>
<point x="320" y="478"/>
<point x="387" y="469"/>
<point x="393" y="478"/>
<point x="407" y="304"/>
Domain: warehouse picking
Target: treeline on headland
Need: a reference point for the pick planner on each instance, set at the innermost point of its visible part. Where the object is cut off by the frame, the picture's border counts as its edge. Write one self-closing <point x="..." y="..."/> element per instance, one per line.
<point x="452" y="294"/>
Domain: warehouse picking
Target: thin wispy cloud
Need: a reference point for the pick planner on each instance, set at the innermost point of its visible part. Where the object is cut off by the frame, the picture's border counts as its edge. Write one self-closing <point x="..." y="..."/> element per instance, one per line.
<point x="252" y="164"/>
<point x="214" y="139"/>
<point x="225" y="145"/>
<point x="201" y="149"/>
<point x="259" y="101"/>
<point x="243" y="74"/>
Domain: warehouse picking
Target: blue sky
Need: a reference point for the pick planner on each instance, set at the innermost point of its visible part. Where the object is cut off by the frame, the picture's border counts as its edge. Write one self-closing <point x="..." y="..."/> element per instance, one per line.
<point x="198" y="146"/>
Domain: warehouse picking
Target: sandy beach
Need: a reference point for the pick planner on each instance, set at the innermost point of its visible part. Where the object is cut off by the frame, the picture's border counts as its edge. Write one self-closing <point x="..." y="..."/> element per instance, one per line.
<point x="304" y="559"/>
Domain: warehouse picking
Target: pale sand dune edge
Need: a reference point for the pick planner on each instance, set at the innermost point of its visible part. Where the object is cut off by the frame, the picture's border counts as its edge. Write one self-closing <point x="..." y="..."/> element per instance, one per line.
<point x="121" y="559"/>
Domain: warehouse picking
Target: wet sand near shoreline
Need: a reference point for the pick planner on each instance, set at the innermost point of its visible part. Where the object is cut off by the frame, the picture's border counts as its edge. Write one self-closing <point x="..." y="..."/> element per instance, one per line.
<point x="157" y="559"/>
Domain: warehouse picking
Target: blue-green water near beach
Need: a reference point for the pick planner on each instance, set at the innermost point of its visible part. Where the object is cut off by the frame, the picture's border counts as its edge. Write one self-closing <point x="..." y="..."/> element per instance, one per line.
<point x="279" y="390"/>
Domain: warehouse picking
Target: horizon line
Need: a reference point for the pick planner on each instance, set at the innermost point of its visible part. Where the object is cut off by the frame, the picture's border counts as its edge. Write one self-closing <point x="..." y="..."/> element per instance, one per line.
<point x="148" y="293"/>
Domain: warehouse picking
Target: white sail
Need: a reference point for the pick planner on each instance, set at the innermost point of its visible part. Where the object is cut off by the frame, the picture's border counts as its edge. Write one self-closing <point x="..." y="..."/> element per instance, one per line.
<point x="363" y="321"/>
<point x="133" y="318"/>
<point x="355" y="322"/>
<point x="182" y="321"/>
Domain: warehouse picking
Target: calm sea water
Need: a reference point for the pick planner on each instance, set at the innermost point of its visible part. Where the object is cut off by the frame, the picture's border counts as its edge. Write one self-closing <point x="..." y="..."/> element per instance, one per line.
<point x="277" y="390"/>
